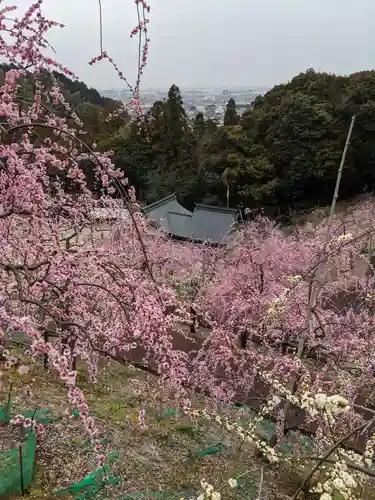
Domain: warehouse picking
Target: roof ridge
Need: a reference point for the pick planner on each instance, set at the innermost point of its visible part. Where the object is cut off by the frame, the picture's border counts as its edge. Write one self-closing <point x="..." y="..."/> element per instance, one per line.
<point x="216" y="208"/>
<point x="173" y="212"/>
<point x="159" y="202"/>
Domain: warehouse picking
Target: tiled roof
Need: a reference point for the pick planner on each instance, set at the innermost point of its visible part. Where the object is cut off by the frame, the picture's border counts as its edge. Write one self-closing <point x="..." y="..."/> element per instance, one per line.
<point x="179" y="224"/>
<point x="212" y="224"/>
<point x="206" y="223"/>
<point x="158" y="212"/>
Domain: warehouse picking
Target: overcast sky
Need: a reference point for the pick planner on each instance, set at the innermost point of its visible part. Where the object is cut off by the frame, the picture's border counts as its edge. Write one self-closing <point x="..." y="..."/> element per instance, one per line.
<point x="204" y="43"/>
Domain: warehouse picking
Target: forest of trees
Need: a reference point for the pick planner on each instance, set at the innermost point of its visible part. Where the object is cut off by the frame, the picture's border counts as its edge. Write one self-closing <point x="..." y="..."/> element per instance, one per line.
<point x="281" y="155"/>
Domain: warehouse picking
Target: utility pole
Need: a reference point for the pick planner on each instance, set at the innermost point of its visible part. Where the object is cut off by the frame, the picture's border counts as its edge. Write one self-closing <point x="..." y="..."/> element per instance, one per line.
<point x="313" y="289"/>
<point x="226" y="183"/>
<point x="339" y="175"/>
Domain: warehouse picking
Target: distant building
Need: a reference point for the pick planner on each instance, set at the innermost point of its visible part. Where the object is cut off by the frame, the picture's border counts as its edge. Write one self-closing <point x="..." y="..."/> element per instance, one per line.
<point x="206" y="224"/>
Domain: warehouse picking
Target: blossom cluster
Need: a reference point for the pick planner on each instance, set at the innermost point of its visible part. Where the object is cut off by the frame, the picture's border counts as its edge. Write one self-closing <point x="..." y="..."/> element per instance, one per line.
<point x="28" y="424"/>
<point x="339" y="481"/>
<point x="249" y="433"/>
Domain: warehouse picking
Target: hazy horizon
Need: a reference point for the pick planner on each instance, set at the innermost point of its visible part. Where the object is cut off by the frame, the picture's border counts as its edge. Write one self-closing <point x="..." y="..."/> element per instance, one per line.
<point x="215" y="43"/>
<point x="195" y="87"/>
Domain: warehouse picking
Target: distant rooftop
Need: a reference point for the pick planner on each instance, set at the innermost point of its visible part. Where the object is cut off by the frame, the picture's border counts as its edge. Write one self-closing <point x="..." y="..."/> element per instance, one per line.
<point x="206" y="224"/>
<point x="158" y="211"/>
<point x="211" y="223"/>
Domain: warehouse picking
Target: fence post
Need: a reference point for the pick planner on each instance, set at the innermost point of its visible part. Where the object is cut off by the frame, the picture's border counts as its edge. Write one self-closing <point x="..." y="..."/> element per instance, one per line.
<point x="45" y="360"/>
<point x="21" y="470"/>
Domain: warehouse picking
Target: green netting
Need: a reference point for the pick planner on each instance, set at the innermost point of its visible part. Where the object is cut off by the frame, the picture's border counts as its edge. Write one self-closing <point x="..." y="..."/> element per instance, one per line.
<point x="5" y="412"/>
<point x="296" y="441"/>
<point x="212" y="450"/>
<point x="92" y="484"/>
<point x="40" y="416"/>
<point x="17" y="467"/>
<point x="169" y="412"/>
<point x="4" y="416"/>
<point x="243" y="407"/>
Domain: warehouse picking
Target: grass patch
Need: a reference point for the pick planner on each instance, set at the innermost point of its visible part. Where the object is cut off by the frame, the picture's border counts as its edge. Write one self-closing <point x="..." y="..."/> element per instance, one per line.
<point x="166" y="459"/>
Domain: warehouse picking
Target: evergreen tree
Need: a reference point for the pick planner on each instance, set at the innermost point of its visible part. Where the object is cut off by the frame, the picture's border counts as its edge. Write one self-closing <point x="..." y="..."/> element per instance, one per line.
<point x="199" y="126"/>
<point x="211" y="127"/>
<point x="231" y="117"/>
<point x="175" y="117"/>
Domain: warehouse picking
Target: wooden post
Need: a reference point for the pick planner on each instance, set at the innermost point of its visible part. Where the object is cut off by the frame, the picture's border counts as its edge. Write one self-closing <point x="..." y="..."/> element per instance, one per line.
<point x="21" y="470"/>
<point x="339" y="175"/>
<point x="313" y="289"/>
<point x="72" y="345"/>
<point x="45" y="360"/>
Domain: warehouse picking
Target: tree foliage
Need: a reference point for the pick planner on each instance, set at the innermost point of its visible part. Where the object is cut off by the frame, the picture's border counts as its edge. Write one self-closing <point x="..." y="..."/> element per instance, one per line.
<point x="283" y="153"/>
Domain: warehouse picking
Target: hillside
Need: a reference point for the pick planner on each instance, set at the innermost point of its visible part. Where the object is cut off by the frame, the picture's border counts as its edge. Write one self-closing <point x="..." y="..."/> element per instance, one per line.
<point x="281" y="155"/>
<point x="76" y="92"/>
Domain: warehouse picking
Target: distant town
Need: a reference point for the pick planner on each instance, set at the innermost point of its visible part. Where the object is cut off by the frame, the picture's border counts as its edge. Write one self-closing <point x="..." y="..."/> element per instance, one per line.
<point x="210" y="101"/>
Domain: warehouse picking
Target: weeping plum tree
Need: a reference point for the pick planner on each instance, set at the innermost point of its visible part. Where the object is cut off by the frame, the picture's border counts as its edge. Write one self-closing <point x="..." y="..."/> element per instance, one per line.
<point x="108" y="296"/>
<point x="97" y="298"/>
<point x="261" y="293"/>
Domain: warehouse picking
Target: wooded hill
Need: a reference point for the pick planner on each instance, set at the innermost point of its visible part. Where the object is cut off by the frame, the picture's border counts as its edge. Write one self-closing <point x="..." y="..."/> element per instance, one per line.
<point x="282" y="154"/>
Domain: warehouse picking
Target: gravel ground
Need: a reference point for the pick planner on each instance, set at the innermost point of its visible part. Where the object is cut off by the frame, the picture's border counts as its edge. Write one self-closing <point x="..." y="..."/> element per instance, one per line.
<point x="10" y="437"/>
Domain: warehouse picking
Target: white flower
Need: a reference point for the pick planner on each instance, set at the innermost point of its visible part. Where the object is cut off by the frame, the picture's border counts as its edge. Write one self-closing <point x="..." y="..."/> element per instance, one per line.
<point x="349" y="480"/>
<point x="327" y="487"/>
<point x="339" y="484"/>
<point x="325" y="496"/>
<point x="201" y="497"/>
<point x="292" y="279"/>
<point x="216" y="495"/>
<point x="232" y="482"/>
<point x="318" y="488"/>
<point x="368" y="462"/>
<point x="338" y="403"/>
<point x="276" y="400"/>
<point x="342" y="466"/>
<point x="337" y="410"/>
<point x="344" y="237"/>
<point x="320" y="400"/>
<point x="338" y="400"/>
<point x="204" y="484"/>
